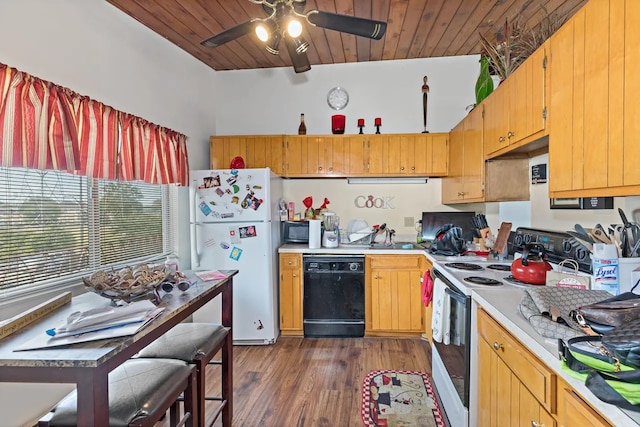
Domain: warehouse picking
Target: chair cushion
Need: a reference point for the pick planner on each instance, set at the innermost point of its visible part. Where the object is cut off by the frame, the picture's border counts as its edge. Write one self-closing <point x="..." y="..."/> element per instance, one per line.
<point x="137" y="387"/>
<point x="186" y="341"/>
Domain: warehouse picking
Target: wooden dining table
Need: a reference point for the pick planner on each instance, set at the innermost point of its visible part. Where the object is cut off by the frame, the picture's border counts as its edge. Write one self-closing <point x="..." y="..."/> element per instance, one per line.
<point x="88" y="364"/>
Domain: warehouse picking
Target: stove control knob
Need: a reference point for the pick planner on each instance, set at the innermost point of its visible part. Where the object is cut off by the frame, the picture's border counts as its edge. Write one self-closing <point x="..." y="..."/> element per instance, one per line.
<point x="581" y="253"/>
<point x="353" y="266"/>
<point x="527" y="239"/>
<point x="518" y="240"/>
<point x="566" y="246"/>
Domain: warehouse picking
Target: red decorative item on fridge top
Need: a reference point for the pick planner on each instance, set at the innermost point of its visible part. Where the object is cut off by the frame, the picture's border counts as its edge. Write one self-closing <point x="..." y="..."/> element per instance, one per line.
<point x="237" y="163"/>
<point x="325" y="203"/>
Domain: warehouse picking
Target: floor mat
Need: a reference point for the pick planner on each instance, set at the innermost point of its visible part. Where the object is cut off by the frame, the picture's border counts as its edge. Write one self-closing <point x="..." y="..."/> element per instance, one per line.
<point x="399" y="398"/>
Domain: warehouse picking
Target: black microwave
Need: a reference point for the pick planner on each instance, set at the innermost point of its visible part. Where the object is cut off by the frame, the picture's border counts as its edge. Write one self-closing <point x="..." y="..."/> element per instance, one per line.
<point x="295" y="232"/>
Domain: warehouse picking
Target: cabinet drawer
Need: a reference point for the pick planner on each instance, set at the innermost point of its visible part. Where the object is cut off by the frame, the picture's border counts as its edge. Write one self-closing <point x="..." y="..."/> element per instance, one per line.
<point x="539" y="379"/>
<point x="394" y="261"/>
<point x="290" y="261"/>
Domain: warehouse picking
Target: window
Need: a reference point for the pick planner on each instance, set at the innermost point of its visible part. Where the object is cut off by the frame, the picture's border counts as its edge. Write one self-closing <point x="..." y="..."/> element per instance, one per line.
<point x="56" y="226"/>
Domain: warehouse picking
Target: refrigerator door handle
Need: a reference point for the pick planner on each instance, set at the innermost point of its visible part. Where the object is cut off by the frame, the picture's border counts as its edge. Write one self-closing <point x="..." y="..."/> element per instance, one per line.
<point x="195" y="258"/>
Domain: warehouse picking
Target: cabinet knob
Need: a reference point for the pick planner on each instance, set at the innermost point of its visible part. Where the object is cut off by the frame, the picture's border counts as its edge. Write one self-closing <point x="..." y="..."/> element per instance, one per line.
<point x="320" y="168"/>
<point x="294" y="275"/>
<point x="331" y="169"/>
<point x="510" y="134"/>
<point x="375" y="277"/>
<point x="413" y="168"/>
<point x="501" y="139"/>
<point x="497" y="346"/>
<point x="290" y="262"/>
<point x="401" y="168"/>
<point x="535" y="424"/>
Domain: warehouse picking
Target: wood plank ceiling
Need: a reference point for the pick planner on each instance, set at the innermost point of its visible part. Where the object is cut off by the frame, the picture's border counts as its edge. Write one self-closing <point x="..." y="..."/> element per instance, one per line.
<point x="415" y="28"/>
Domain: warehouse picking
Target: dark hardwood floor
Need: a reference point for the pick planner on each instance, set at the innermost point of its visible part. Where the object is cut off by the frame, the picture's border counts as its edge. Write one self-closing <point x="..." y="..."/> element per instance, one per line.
<point x="312" y="382"/>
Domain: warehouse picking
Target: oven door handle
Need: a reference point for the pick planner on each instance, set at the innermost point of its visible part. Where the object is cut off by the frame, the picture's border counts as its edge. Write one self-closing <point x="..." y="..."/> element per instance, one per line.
<point x="456" y="296"/>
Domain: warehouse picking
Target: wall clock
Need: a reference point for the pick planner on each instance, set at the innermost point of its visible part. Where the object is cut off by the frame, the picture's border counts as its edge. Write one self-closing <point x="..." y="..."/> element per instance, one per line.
<point x="337" y="98"/>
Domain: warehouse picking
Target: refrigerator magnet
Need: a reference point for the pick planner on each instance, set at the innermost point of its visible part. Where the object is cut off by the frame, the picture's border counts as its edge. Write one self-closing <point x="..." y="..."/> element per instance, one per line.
<point x="249" y="231"/>
<point x="251" y="201"/>
<point x="234" y="235"/>
<point x="206" y="210"/>
<point x="210" y="181"/>
<point x="235" y="254"/>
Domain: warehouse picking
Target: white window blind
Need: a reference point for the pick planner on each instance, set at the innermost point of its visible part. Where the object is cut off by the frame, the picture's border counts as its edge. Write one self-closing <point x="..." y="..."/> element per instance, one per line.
<point x="55" y="225"/>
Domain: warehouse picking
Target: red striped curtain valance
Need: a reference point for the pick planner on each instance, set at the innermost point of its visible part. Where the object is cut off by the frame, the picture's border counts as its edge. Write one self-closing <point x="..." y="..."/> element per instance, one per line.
<point x="46" y="126"/>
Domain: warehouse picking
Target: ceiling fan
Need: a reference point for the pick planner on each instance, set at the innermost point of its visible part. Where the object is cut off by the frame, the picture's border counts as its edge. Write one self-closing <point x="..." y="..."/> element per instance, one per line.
<point x="284" y="22"/>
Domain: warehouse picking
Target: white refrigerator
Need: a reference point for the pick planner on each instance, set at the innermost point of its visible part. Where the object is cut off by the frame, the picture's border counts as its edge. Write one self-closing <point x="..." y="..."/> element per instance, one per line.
<point x="235" y="225"/>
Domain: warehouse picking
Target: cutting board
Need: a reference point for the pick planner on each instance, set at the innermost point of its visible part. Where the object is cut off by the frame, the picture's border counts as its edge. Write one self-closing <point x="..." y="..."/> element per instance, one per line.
<point x="501" y="240"/>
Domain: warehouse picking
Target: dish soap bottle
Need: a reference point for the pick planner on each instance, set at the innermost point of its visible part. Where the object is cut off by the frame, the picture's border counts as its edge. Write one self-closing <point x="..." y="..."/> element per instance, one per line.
<point x="302" y="129"/>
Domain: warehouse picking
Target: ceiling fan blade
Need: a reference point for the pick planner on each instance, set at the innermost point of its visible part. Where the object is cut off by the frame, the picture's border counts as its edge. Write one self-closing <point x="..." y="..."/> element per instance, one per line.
<point x="229" y="35"/>
<point x="348" y="24"/>
<point x="299" y="60"/>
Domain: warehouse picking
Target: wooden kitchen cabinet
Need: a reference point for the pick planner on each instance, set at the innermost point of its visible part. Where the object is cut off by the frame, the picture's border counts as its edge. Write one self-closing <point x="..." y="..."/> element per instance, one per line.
<point x="393" y="303"/>
<point x="515" y="388"/>
<point x="431" y="154"/>
<point x="317" y="156"/>
<point x="594" y="114"/>
<point x="257" y="151"/>
<point x="415" y="155"/>
<point x="465" y="181"/>
<point x="291" y="294"/>
<point x="326" y="155"/>
<point x="471" y="179"/>
<point x="574" y="411"/>
<point x="515" y="113"/>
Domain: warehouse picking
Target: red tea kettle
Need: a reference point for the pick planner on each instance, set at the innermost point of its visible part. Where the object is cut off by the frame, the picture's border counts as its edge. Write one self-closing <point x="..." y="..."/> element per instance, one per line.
<point x="532" y="267"/>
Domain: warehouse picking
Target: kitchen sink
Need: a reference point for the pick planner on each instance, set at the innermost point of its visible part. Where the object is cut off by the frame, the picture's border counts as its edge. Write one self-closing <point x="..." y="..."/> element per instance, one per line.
<point x="399" y="245"/>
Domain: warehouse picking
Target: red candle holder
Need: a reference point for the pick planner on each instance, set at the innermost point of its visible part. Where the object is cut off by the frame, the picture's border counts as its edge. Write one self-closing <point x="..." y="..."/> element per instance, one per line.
<point x="361" y="125"/>
<point x="377" y="122"/>
<point x="337" y="123"/>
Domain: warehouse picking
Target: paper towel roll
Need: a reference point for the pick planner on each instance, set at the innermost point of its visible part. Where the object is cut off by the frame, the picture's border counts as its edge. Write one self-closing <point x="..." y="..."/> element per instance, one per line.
<point x="314" y="233"/>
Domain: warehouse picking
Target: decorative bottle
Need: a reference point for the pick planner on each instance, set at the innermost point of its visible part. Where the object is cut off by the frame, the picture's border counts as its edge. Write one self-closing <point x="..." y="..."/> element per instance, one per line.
<point x="484" y="84"/>
<point x="302" y="129"/>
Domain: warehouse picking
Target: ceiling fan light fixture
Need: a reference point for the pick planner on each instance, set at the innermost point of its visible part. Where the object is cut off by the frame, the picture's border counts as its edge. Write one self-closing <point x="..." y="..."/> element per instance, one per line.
<point x="272" y="46"/>
<point x="262" y="32"/>
<point x="265" y="29"/>
<point x="301" y="45"/>
<point x="294" y="28"/>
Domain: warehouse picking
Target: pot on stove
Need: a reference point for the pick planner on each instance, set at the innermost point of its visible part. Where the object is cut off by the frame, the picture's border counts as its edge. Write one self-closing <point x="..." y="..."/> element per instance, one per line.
<point x="531" y="267"/>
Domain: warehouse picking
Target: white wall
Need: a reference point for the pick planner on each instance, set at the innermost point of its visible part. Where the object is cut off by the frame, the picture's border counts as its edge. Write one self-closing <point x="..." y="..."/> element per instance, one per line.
<point x="269" y="101"/>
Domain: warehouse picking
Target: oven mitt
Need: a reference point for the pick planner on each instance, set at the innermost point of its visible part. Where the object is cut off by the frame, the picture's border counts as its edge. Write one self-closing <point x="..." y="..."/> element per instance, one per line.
<point x="427" y="288"/>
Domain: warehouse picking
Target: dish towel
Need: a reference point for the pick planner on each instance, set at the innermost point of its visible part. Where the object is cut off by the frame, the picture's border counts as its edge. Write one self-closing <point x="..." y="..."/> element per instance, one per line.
<point x="440" y="322"/>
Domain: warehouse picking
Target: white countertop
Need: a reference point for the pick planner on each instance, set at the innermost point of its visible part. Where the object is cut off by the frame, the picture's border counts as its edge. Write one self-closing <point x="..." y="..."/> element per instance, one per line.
<point x="350" y="250"/>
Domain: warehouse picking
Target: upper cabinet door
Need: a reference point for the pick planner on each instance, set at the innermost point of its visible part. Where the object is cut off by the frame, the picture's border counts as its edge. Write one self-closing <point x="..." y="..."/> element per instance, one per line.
<point x="594" y="114"/>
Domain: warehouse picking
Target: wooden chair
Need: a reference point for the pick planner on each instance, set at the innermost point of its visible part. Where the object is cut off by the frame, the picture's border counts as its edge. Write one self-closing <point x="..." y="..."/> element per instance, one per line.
<point x="197" y="343"/>
<point x="141" y="391"/>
